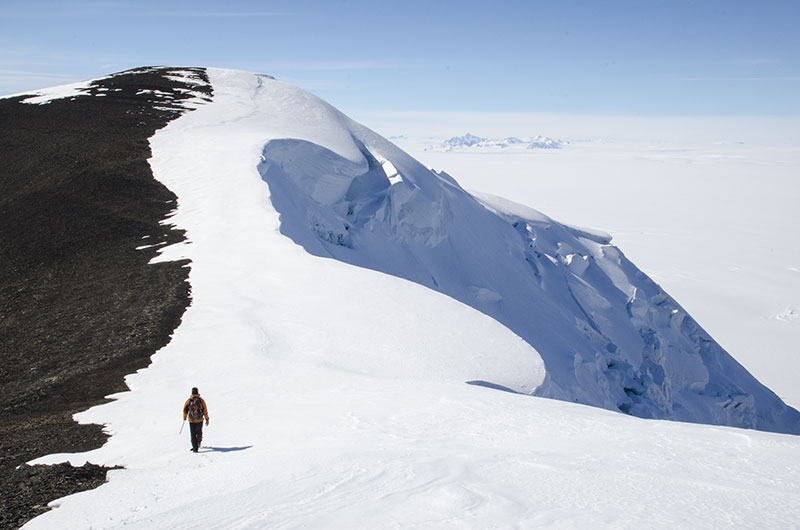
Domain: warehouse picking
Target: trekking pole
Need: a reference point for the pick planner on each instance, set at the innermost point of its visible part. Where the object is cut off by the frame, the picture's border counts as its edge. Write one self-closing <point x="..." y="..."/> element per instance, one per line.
<point x="182" y="424"/>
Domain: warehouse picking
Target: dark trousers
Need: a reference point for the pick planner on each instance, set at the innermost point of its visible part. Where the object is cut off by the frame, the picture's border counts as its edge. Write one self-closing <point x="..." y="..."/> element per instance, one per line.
<point x="196" y="430"/>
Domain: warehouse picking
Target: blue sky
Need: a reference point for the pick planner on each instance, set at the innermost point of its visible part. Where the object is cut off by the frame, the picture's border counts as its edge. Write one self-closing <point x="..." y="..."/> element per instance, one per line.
<point x="670" y="58"/>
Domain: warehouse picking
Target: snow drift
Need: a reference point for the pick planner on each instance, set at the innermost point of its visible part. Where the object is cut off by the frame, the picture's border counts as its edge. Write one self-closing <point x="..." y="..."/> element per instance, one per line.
<point x="608" y="335"/>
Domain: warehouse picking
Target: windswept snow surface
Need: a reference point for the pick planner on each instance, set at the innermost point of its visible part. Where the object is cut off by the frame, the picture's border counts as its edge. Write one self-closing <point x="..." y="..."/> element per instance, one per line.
<point x="711" y="219"/>
<point x="609" y="336"/>
<point x="337" y="394"/>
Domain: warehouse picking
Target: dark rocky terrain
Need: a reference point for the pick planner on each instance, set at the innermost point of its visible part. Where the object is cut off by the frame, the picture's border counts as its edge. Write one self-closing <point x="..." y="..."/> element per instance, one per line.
<point x="80" y="306"/>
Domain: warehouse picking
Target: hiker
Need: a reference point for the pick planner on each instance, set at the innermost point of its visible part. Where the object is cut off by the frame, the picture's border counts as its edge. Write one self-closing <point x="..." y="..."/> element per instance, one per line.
<point x="195" y="408"/>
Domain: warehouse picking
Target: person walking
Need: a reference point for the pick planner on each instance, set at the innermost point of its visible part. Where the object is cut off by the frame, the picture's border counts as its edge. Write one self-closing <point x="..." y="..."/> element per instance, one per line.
<point x="195" y="409"/>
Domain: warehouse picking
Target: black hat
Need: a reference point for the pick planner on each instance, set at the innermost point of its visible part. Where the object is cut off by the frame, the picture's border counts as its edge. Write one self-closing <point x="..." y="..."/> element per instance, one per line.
<point x="194" y="390"/>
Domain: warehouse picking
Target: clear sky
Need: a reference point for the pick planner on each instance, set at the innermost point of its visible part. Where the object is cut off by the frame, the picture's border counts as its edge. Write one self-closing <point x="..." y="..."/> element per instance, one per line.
<point x="666" y="58"/>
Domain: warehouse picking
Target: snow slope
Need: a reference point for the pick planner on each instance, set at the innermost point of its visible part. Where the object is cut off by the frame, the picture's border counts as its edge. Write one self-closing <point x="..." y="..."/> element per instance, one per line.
<point x="710" y="218"/>
<point x="609" y="336"/>
<point x="341" y="450"/>
<point x="337" y="394"/>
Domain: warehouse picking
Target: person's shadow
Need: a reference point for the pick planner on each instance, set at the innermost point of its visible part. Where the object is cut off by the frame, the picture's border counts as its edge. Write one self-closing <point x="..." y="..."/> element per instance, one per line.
<point x="211" y="449"/>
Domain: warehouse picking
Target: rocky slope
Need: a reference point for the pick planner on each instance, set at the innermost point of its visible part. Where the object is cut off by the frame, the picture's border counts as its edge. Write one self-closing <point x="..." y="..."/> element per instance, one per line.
<point x="81" y="304"/>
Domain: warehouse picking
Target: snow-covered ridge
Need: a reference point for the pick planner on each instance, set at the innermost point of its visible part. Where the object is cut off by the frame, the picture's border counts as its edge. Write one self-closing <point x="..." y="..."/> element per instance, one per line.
<point x="608" y="335"/>
<point x="337" y="393"/>
<point x="470" y="142"/>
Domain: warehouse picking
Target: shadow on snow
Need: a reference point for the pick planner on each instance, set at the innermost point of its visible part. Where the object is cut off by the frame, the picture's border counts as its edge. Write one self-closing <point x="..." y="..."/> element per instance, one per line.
<point x="206" y="449"/>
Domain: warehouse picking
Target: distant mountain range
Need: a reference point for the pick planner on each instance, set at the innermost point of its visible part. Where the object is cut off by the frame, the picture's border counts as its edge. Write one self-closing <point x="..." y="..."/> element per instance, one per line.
<point x="470" y="141"/>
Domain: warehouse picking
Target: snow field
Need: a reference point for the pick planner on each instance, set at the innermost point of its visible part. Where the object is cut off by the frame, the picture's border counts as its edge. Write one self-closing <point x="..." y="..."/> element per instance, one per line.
<point x="714" y="224"/>
<point x="609" y="336"/>
<point x="334" y="449"/>
<point x="337" y="395"/>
